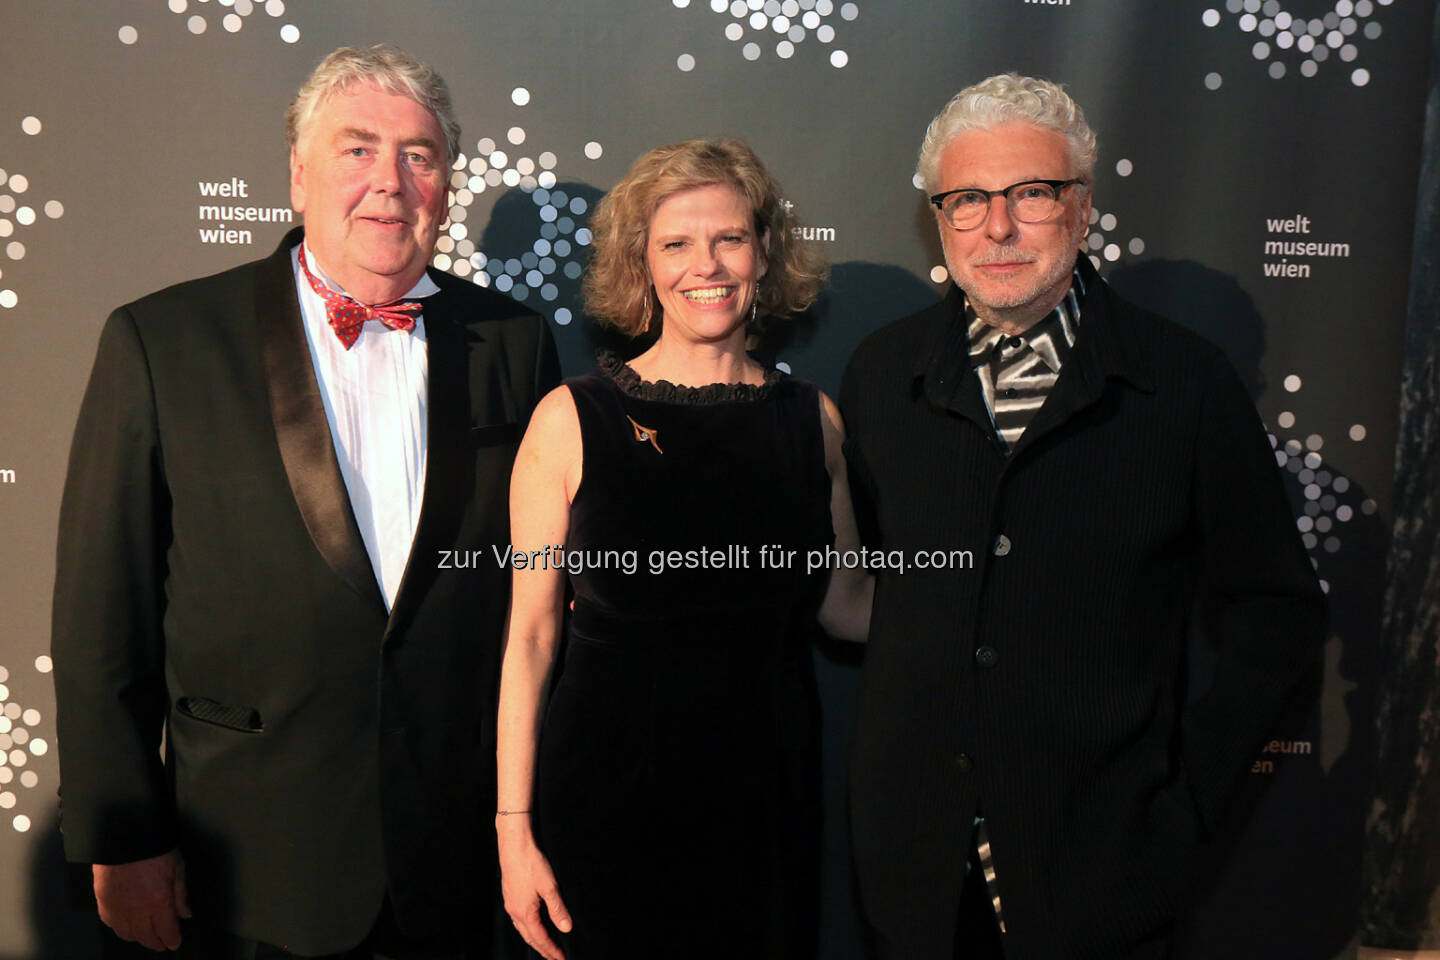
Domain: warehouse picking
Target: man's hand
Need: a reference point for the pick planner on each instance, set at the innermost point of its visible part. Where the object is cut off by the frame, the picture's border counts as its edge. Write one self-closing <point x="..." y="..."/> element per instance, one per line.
<point x="144" y="901"/>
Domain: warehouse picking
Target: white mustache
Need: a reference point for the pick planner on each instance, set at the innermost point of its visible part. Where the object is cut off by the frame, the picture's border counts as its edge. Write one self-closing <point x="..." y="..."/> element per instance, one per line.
<point x="1002" y="255"/>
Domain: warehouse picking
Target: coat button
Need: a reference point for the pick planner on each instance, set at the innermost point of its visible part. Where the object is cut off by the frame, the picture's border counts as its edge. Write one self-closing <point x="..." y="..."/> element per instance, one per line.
<point x="986" y="656"/>
<point x="1002" y="545"/>
<point x="964" y="764"/>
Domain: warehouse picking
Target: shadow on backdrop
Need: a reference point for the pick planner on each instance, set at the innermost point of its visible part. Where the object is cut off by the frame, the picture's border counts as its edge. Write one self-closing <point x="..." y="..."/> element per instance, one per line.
<point x="861" y="297"/>
<point x="1281" y="880"/>
<point x="537" y="236"/>
<point x="63" y="921"/>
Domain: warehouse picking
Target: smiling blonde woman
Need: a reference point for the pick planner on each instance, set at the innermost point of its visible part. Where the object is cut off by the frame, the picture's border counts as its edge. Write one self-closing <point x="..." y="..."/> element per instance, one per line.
<point x="665" y="802"/>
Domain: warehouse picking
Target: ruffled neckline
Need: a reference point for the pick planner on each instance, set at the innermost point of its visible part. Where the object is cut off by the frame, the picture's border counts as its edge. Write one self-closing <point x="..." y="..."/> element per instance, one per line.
<point x="663" y="391"/>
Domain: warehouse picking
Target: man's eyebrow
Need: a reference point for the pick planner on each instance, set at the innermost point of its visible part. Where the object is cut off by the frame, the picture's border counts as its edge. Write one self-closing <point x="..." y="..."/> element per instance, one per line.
<point x="370" y="136"/>
<point x="1012" y="183"/>
<point x="349" y="134"/>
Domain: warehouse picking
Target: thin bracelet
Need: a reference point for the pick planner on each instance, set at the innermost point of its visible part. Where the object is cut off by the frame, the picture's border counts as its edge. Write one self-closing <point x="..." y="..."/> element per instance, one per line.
<point x="509" y="813"/>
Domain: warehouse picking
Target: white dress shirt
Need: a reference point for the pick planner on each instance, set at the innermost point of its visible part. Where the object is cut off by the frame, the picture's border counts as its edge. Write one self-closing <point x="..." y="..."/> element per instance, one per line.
<point x="375" y="402"/>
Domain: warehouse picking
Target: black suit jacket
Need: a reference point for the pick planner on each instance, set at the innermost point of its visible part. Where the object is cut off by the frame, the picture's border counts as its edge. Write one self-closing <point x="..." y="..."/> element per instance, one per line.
<point x="1045" y="685"/>
<point x="212" y="585"/>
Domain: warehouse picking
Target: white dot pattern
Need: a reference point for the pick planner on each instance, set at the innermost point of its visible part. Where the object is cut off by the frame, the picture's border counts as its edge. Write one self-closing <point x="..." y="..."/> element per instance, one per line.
<point x="545" y="276"/>
<point x="20" y="740"/>
<point x="15" y="216"/>
<point x="232" y="22"/>
<point x="1104" y="249"/>
<point x="1322" y="492"/>
<point x="795" y="21"/>
<point x="1310" y="40"/>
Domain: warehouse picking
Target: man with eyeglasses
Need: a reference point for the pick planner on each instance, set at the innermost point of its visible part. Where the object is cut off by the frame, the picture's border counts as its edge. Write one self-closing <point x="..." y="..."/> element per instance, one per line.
<point x="1028" y="778"/>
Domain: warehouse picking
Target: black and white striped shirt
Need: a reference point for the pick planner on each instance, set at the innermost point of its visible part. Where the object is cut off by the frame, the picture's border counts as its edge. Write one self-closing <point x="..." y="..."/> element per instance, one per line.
<point x="1017" y="372"/>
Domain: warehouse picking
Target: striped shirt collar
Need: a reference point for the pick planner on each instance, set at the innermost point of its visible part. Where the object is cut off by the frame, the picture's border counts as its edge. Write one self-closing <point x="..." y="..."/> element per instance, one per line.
<point x="1051" y="338"/>
<point x="940" y="353"/>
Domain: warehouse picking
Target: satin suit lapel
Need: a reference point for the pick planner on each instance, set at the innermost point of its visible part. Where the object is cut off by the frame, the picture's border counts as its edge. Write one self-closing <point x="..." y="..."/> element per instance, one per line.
<point x="308" y="450"/>
<point x="301" y="429"/>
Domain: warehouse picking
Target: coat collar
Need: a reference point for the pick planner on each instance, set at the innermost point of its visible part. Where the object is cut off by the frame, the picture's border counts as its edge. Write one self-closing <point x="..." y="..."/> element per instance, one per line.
<point x="1104" y="349"/>
<point x="1111" y="346"/>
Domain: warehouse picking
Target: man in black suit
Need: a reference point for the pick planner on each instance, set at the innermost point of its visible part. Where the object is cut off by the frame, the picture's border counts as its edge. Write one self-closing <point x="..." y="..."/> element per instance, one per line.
<point x="1028" y="779"/>
<point x="271" y="470"/>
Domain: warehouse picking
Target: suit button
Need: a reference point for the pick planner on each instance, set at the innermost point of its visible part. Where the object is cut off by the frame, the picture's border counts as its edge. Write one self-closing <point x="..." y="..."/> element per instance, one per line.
<point x="1002" y="545"/>
<point x="964" y="764"/>
<point x="986" y="656"/>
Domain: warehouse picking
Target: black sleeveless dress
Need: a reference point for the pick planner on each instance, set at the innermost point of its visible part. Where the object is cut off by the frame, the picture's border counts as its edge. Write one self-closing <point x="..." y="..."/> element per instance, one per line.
<point x="677" y="783"/>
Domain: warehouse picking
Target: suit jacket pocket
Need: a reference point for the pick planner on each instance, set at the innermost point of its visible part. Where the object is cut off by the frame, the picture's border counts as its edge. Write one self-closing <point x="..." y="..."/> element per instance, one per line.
<point x="494" y="434"/>
<point x="242" y="719"/>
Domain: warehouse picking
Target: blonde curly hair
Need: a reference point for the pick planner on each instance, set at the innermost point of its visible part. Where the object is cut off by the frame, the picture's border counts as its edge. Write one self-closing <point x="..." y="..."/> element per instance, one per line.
<point x="617" y="281"/>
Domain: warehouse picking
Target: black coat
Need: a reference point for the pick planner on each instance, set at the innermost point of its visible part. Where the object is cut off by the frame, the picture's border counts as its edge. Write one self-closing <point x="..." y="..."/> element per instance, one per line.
<point x="1045" y="686"/>
<point x="212" y="584"/>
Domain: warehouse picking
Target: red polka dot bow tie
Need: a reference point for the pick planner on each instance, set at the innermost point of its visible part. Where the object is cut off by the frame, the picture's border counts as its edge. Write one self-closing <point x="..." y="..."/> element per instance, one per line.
<point x="347" y="316"/>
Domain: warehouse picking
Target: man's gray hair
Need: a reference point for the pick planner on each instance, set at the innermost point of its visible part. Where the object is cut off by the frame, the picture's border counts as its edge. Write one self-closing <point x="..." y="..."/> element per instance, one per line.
<point x="389" y="68"/>
<point x="1008" y="98"/>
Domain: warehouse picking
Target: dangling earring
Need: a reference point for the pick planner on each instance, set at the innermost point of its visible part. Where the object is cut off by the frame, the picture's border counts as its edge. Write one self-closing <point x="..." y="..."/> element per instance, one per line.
<point x="646" y="308"/>
<point x="755" y="303"/>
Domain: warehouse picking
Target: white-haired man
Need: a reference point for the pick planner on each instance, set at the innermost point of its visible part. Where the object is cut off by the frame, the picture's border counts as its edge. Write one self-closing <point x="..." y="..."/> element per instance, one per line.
<point x="267" y="465"/>
<point x="1028" y="780"/>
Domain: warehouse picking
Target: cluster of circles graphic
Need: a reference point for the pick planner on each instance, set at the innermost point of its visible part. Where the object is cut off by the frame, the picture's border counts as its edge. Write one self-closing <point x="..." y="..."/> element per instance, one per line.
<point x="19" y="743"/>
<point x="232" y="14"/>
<point x="560" y="233"/>
<point x="1102" y="249"/>
<point x="17" y="211"/>
<point x="1329" y="502"/>
<point x="1314" y="40"/>
<point x="781" y="25"/>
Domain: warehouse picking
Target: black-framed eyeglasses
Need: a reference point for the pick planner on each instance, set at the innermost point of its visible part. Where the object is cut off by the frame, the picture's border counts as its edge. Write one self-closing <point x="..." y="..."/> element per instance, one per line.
<point x="1029" y="201"/>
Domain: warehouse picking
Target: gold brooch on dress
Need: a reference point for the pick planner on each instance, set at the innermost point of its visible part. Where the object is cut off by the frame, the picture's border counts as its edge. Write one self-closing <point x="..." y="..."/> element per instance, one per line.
<point x="644" y="434"/>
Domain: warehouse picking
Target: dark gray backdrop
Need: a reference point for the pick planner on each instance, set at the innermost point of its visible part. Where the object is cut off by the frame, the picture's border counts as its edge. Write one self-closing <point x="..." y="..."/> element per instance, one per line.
<point x="1212" y="124"/>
